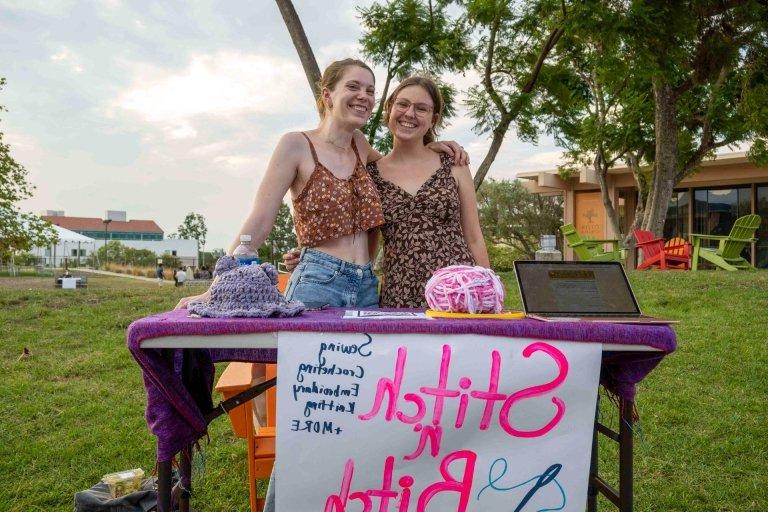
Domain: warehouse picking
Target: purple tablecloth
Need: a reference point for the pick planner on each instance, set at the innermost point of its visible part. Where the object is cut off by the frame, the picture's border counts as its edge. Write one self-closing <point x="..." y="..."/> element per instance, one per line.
<point x="174" y="412"/>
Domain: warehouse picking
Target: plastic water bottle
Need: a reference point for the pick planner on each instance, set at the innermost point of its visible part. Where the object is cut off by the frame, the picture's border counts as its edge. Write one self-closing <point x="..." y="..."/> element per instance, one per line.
<point x="244" y="253"/>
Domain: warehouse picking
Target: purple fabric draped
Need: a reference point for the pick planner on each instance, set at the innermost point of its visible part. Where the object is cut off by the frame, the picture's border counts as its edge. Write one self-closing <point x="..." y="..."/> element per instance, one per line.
<point x="174" y="412"/>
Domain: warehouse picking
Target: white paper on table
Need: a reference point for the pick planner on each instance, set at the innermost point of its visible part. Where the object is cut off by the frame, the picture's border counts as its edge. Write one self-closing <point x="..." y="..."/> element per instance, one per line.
<point x="384" y="315"/>
<point x="334" y="448"/>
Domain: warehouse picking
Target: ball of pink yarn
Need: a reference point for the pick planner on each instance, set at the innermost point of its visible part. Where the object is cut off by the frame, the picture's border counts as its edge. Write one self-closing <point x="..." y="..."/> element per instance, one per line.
<point x="465" y="289"/>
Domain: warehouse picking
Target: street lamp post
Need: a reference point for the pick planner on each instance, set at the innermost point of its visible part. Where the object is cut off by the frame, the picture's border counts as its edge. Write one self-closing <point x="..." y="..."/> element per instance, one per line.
<point x="106" y="225"/>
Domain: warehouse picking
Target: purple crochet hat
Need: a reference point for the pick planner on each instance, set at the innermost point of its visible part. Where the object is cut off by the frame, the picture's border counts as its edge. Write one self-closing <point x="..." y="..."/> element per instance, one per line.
<point x="245" y="291"/>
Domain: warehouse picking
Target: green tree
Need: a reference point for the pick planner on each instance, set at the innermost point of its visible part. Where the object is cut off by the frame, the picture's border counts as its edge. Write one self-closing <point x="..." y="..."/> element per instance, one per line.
<point x="515" y="39"/>
<point x="599" y="110"/>
<point x="116" y="252"/>
<point x="19" y="231"/>
<point x="111" y="252"/>
<point x="511" y="216"/>
<point x="661" y="86"/>
<point x="707" y="66"/>
<point x="193" y="227"/>
<point x="404" y="36"/>
<point x="281" y="239"/>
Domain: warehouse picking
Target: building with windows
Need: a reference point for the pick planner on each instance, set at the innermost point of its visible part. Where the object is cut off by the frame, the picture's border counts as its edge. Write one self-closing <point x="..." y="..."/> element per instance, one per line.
<point x="138" y="234"/>
<point x="114" y="226"/>
<point x="708" y="202"/>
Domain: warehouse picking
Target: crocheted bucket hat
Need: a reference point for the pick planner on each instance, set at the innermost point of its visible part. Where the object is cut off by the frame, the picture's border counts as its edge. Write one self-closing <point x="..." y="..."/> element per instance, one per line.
<point x="245" y="291"/>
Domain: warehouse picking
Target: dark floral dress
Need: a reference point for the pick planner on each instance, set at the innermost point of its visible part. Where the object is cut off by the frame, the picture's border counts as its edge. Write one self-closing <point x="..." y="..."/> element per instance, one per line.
<point x="422" y="233"/>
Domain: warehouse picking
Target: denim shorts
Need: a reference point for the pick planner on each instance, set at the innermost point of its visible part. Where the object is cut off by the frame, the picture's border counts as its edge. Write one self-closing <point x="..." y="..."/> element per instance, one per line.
<point x="322" y="280"/>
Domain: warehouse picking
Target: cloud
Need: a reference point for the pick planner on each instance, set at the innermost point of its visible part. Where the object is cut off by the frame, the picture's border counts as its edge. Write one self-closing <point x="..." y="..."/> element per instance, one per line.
<point x="224" y="84"/>
<point x="183" y="130"/>
<point x="66" y="57"/>
<point x="544" y="160"/>
<point x="240" y="164"/>
<point x="337" y="51"/>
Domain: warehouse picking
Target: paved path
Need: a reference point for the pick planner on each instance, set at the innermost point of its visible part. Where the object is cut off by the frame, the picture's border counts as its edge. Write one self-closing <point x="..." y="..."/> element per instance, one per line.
<point x="189" y="282"/>
<point x="115" y="274"/>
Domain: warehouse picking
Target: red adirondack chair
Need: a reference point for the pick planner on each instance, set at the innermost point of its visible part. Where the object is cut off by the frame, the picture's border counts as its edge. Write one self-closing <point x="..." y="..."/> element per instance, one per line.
<point x="675" y="254"/>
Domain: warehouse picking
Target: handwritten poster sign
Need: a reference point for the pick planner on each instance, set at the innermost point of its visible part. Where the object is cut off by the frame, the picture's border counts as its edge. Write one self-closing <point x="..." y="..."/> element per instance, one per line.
<point x="415" y="423"/>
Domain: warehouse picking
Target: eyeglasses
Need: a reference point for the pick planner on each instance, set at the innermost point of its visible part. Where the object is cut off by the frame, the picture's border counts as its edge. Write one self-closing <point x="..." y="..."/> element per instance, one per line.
<point x="419" y="109"/>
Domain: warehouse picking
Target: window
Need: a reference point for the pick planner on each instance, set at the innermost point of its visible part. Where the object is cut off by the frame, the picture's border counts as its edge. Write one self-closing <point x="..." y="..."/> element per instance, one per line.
<point x="676" y="223"/>
<point x="74" y="253"/>
<point x="716" y="209"/>
<point x="761" y="208"/>
<point x="173" y="253"/>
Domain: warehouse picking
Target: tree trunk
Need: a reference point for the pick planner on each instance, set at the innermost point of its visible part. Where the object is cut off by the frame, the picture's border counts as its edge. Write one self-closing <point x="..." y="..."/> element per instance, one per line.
<point x="377" y="116"/>
<point x="300" y="42"/>
<point x="665" y="159"/>
<point x="601" y="169"/>
<point x="498" y="137"/>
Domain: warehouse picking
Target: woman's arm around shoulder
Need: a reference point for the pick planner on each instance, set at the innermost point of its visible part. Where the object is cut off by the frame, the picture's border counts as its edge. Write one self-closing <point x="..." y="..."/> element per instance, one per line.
<point x="470" y="220"/>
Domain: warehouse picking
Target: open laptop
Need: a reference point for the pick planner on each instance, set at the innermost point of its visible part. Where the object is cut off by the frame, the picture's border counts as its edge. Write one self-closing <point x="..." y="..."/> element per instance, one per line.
<point x="578" y="290"/>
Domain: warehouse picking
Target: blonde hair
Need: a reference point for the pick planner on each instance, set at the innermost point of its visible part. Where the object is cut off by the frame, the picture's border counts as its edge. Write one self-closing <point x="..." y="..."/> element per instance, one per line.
<point x="331" y="76"/>
<point x="432" y="89"/>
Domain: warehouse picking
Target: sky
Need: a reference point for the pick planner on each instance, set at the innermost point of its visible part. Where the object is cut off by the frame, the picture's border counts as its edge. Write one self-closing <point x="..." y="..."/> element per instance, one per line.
<point x="165" y="108"/>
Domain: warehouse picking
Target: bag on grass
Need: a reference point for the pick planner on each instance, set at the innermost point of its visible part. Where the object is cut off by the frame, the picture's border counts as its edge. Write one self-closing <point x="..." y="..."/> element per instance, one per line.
<point x="98" y="499"/>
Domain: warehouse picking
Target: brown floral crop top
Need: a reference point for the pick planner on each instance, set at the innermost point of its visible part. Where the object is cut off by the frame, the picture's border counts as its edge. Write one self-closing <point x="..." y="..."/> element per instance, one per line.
<point x="330" y="207"/>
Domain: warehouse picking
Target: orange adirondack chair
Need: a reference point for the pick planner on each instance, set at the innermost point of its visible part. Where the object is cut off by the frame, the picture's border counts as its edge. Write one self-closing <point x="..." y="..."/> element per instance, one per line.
<point x="674" y="254"/>
<point x="238" y="377"/>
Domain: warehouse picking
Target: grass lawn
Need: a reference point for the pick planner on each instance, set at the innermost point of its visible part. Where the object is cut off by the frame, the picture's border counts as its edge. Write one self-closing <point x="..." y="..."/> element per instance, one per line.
<point x="74" y="410"/>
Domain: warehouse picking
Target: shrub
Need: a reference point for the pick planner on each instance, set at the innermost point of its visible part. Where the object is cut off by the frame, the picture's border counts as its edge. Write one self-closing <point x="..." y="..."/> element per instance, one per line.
<point x="503" y="257"/>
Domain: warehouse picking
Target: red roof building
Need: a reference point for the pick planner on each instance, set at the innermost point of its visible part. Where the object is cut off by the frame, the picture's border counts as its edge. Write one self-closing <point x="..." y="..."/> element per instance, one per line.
<point x="115" y="230"/>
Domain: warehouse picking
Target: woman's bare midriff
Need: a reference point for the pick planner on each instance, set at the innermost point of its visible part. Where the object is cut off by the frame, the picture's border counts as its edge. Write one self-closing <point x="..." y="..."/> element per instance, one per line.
<point x="352" y="248"/>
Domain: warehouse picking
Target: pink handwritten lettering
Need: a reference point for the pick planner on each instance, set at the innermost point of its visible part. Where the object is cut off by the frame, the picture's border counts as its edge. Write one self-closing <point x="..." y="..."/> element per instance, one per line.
<point x="441" y="391"/>
<point x="431" y="433"/>
<point x="534" y="391"/>
<point x="392" y="387"/>
<point x="389" y="389"/>
<point x="338" y="503"/>
<point x="449" y="483"/>
<point x="461" y="485"/>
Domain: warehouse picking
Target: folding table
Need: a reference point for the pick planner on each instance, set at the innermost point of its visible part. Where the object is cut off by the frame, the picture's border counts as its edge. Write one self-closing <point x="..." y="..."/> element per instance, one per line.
<point x="176" y="354"/>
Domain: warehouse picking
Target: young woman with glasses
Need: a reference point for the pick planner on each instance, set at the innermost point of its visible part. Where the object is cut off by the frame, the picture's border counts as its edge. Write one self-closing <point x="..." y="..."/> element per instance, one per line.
<point x="429" y="202"/>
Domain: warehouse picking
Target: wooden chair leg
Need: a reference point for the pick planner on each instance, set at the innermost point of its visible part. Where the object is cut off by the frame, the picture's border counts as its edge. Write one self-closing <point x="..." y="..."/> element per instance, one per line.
<point x="256" y="503"/>
<point x="695" y="257"/>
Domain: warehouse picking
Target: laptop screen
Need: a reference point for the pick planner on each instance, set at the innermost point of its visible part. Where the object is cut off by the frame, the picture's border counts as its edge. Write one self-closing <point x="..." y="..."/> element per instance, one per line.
<point x="574" y="288"/>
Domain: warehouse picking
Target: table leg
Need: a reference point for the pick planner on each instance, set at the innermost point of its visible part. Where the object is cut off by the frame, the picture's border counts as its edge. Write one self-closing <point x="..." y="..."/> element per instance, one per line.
<point x="592" y="490"/>
<point x="626" y="447"/>
<point x="164" y="471"/>
<point x="185" y="479"/>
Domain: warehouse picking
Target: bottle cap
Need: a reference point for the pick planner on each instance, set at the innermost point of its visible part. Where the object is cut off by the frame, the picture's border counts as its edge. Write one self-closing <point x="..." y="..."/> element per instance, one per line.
<point x="245" y="238"/>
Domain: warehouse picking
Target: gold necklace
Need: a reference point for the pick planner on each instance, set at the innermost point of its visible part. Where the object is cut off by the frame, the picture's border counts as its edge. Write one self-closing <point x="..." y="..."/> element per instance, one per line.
<point x="336" y="145"/>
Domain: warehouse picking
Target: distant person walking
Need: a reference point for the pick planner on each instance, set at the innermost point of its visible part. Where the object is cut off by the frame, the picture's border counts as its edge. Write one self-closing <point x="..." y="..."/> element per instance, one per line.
<point x="159" y="274"/>
<point x="181" y="276"/>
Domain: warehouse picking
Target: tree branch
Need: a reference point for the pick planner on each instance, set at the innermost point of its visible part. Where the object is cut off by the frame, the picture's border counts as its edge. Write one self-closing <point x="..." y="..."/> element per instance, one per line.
<point x="300" y="42"/>
<point x="487" y="82"/>
<point x="707" y="142"/>
<point x="552" y="40"/>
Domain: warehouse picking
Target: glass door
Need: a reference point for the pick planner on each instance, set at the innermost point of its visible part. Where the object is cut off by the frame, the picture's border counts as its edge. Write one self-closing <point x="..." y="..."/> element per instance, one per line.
<point x="761" y="208"/>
